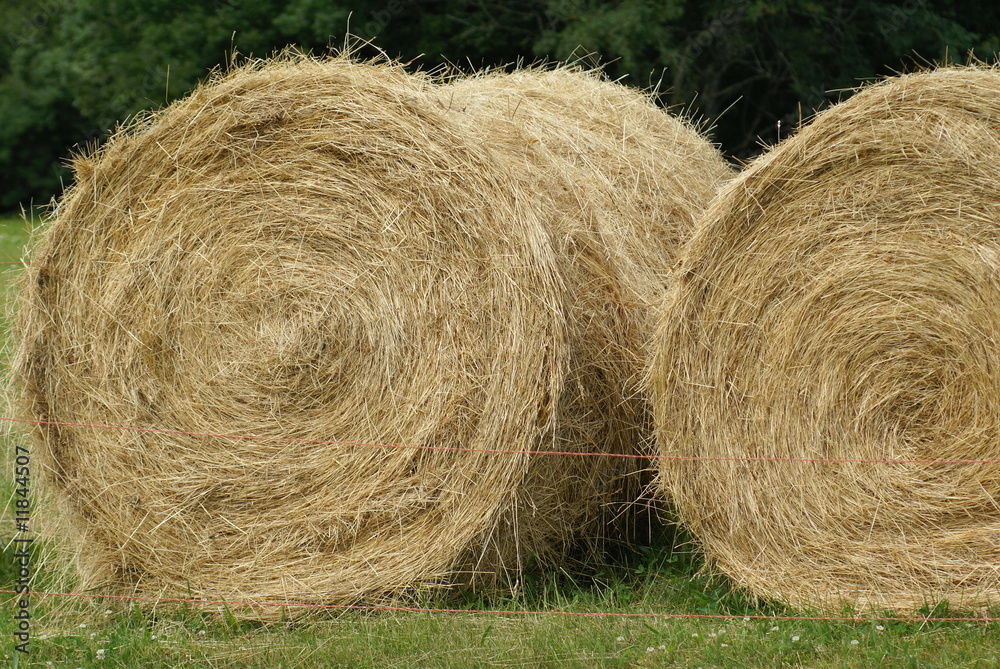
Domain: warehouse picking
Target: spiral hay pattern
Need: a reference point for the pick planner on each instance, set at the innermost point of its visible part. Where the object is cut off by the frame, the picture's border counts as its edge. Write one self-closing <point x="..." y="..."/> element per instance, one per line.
<point x="841" y="300"/>
<point x="309" y="252"/>
<point x="299" y="250"/>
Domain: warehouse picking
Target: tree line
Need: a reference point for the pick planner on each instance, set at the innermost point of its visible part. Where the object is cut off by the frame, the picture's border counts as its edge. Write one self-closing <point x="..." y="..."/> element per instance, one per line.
<point x="71" y="70"/>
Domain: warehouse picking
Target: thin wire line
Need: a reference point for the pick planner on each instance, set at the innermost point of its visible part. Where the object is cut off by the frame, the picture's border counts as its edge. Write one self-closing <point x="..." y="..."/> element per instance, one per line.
<point x="462" y="449"/>
<point x="514" y="612"/>
<point x="298" y="440"/>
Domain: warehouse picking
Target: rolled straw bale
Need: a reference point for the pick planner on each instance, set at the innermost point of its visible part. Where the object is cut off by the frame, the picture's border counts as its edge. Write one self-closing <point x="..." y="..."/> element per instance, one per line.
<point x="830" y="350"/>
<point x="270" y="286"/>
<point x="328" y="262"/>
<point x="618" y="183"/>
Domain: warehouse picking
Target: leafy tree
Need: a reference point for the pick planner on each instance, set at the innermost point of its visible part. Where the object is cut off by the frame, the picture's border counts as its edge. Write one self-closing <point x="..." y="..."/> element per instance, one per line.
<point x="637" y="37"/>
<point x="37" y="120"/>
<point x="71" y="70"/>
<point x="747" y="65"/>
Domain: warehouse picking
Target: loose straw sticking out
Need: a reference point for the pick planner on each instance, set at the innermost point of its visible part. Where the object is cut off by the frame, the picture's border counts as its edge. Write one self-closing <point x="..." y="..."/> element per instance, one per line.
<point x="618" y="184"/>
<point x="301" y="249"/>
<point x="324" y="250"/>
<point x="840" y="300"/>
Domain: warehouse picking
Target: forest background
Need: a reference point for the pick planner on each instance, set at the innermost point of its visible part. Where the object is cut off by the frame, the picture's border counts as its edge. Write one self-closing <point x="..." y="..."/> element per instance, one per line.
<point x="72" y="70"/>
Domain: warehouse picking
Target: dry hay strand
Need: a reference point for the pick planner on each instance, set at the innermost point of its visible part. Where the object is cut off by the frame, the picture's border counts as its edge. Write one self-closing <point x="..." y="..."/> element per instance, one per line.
<point x="618" y="183"/>
<point x="838" y="307"/>
<point x="309" y="256"/>
<point x="314" y="252"/>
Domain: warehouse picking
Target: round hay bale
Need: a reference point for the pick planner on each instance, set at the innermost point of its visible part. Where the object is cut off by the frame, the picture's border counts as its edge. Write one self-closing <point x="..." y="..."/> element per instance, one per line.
<point x="618" y="183"/>
<point x="272" y="285"/>
<point x="838" y="310"/>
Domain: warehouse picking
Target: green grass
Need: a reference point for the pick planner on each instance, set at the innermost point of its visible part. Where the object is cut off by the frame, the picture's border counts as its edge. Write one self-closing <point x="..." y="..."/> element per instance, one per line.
<point x="77" y="632"/>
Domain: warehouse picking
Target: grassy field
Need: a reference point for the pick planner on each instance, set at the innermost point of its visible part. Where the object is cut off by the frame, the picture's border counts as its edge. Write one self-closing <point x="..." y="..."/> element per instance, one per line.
<point x="82" y="632"/>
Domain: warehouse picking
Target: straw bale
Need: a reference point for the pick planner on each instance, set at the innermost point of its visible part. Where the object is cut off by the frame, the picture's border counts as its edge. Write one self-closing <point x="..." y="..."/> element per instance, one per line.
<point x="839" y="300"/>
<point x="303" y="252"/>
<point x="323" y="256"/>
<point x="618" y="183"/>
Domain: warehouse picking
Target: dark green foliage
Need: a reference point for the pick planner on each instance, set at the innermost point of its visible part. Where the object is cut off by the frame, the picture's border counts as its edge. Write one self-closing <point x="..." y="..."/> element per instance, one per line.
<point x="70" y="71"/>
<point x="757" y="62"/>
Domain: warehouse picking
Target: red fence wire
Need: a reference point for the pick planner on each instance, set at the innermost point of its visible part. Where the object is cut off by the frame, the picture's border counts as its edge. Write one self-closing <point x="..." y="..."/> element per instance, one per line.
<point x="526" y="613"/>
<point x="502" y="612"/>
<point x="462" y="449"/>
<point x="520" y="612"/>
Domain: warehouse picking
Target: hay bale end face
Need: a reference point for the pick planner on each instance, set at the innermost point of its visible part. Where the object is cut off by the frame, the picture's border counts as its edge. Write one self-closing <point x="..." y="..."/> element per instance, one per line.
<point x="838" y="309"/>
<point x="301" y="253"/>
<point x="322" y="261"/>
